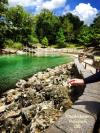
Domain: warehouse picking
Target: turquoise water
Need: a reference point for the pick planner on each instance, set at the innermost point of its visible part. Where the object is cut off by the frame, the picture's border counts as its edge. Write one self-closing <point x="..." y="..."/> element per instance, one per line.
<point x="15" y="67"/>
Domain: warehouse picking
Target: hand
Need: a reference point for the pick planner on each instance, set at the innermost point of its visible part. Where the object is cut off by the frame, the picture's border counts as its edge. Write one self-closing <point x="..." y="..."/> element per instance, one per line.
<point x="76" y="82"/>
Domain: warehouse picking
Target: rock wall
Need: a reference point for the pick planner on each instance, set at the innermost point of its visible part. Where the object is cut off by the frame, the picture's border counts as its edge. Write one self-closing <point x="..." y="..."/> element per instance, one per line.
<point x="36" y="103"/>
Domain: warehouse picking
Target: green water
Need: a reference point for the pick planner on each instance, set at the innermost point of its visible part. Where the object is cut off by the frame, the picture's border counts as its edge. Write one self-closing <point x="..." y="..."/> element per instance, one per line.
<point x="15" y="67"/>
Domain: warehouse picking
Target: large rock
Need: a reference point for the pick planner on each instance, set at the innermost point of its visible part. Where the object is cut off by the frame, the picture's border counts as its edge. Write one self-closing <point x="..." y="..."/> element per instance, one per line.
<point x="40" y="75"/>
<point x="32" y="79"/>
<point x="52" y="73"/>
<point x="12" y="114"/>
<point x="46" y="115"/>
<point x="45" y="75"/>
<point x="21" y="83"/>
<point x="11" y="96"/>
<point x="2" y="109"/>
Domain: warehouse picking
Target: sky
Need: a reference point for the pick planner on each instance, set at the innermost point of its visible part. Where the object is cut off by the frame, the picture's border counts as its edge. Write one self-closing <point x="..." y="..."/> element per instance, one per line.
<point x="86" y="10"/>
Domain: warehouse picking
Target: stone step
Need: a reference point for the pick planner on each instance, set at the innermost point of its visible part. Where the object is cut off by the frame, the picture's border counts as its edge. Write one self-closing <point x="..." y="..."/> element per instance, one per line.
<point x="54" y="129"/>
<point x="74" y="121"/>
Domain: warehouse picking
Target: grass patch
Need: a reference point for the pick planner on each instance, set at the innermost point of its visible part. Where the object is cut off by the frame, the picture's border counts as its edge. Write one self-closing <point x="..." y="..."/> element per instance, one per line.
<point x="14" y="45"/>
<point x="68" y="45"/>
<point x="97" y="57"/>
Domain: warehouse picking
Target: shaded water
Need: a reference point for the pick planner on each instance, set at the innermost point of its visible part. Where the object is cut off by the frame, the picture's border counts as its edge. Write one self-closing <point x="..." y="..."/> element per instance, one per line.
<point x="15" y="67"/>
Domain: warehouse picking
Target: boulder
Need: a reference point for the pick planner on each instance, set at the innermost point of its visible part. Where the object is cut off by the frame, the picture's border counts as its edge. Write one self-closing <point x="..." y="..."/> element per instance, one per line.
<point x="52" y="73"/>
<point x="9" y="99"/>
<point x="40" y="75"/>
<point x="2" y="109"/>
<point x="45" y="76"/>
<point x="32" y="79"/>
<point x="12" y="114"/>
<point x="21" y="83"/>
<point x="11" y="96"/>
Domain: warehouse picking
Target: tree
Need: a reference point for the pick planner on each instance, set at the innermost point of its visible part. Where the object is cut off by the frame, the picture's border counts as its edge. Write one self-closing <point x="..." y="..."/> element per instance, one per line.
<point x="3" y="24"/>
<point x="60" y="38"/>
<point x="22" y="24"/>
<point x="67" y="27"/>
<point x="71" y="25"/>
<point x="3" y="7"/>
<point x="86" y="35"/>
<point x="47" y="25"/>
<point x="77" y="24"/>
<point x="45" y="41"/>
<point x="33" y="39"/>
<point x="75" y="21"/>
<point x="96" y="23"/>
<point x="96" y="27"/>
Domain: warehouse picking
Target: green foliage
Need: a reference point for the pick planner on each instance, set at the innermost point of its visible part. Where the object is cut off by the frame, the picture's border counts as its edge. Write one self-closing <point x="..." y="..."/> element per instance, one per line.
<point x="97" y="39"/>
<point x="60" y="38"/>
<point x="3" y="33"/>
<point x="17" y="45"/>
<point x="47" y="25"/>
<point x="45" y="41"/>
<point x="71" y="26"/>
<point x="8" y="43"/>
<point x="67" y="27"/>
<point x="3" y="25"/>
<point x="75" y="21"/>
<point x="22" y="24"/>
<point x="96" y="27"/>
<point x="86" y="36"/>
<point x="17" y="16"/>
<point x="33" y="39"/>
<point x="3" y="7"/>
<point x="16" y="25"/>
<point x="70" y="45"/>
<point x="96" y="24"/>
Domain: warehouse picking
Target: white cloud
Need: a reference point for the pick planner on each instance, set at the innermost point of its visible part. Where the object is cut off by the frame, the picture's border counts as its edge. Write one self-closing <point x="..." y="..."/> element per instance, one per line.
<point x="39" y="4"/>
<point x="25" y="3"/>
<point x="53" y="4"/>
<point x="85" y="12"/>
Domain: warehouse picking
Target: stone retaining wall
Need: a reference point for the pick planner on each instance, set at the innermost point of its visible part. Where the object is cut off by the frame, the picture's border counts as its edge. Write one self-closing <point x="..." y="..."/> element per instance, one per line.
<point x="82" y="117"/>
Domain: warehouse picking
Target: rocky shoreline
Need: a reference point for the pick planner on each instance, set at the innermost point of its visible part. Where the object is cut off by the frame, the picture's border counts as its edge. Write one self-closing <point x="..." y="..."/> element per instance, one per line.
<point x="37" y="102"/>
<point x="42" y="51"/>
